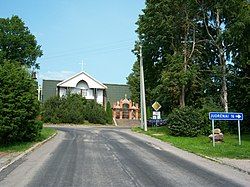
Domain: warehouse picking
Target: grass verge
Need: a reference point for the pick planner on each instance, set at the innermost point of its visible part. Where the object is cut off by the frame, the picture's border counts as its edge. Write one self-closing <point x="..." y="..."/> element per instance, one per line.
<point x="201" y="145"/>
<point x="22" y="146"/>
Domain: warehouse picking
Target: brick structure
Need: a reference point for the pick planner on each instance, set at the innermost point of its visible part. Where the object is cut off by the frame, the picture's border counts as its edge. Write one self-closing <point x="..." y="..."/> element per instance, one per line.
<point x="125" y="109"/>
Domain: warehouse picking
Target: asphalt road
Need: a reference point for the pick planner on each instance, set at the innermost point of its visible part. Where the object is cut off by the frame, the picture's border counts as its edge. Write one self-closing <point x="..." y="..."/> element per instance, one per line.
<point x="106" y="157"/>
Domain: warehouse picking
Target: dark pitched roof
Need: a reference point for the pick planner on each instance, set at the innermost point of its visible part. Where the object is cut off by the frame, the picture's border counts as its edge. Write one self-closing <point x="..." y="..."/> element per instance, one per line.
<point x="115" y="92"/>
<point x="49" y="89"/>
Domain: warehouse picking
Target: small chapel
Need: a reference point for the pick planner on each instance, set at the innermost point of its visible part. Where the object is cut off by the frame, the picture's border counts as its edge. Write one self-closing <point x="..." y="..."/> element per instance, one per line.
<point x="118" y="95"/>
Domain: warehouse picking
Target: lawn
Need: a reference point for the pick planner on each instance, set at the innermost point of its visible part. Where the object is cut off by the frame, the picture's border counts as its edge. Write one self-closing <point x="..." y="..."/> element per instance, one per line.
<point x="19" y="147"/>
<point x="202" y="145"/>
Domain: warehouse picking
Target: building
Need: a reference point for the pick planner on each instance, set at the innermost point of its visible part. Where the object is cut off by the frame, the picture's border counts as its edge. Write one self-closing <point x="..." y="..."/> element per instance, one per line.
<point x="92" y="89"/>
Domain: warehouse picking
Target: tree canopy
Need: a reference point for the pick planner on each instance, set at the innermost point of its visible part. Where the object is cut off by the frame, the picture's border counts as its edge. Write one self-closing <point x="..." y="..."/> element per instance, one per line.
<point x="17" y="44"/>
<point x="194" y="52"/>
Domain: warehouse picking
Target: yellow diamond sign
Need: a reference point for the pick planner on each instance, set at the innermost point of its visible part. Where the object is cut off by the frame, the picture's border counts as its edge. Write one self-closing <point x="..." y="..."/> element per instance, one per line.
<point x="156" y="106"/>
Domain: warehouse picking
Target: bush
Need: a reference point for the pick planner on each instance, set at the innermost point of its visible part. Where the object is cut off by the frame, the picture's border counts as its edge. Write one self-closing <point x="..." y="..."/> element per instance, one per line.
<point x="185" y="121"/>
<point x="95" y="113"/>
<point x="210" y="106"/>
<point x="18" y="103"/>
<point x="51" y="110"/>
<point x="109" y="113"/>
<point x="73" y="109"/>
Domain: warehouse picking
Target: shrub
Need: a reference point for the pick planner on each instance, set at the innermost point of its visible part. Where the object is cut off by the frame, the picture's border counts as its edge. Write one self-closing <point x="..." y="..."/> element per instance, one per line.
<point x="18" y="103"/>
<point x="185" y="121"/>
<point x="109" y="113"/>
<point x="210" y="106"/>
<point x="73" y="109"/>
<point x="95" y="113"/>
<point x="51" y="110"/>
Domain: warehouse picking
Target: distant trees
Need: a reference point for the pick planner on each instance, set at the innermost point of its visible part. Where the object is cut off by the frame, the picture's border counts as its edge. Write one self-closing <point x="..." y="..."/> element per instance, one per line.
<point x="19" y="106"/>
<point x="195" y="52"/>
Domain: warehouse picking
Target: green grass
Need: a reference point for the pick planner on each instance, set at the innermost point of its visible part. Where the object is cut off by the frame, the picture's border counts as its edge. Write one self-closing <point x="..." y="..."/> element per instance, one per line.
<point x="202" y="145"/>
<point x="22" y="146"/>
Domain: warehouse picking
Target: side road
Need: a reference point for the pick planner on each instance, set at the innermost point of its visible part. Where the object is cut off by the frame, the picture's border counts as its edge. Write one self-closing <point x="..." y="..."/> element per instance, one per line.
<point x="241" y="165"/>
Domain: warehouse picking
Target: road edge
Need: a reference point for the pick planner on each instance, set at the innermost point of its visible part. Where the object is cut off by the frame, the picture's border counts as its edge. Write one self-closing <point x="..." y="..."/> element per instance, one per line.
<point x="217" y="160"/>
<point x="27" y="151"/>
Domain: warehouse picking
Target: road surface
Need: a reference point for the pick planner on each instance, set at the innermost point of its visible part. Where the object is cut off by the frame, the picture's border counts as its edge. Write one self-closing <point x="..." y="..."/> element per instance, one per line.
<point x="111" y="157"/>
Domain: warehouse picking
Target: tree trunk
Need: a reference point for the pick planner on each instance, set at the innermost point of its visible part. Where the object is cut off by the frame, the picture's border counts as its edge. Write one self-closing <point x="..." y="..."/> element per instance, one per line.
<point x="223" y="64"/>
<point x="224" y="84"/>
<point x="182" y="96"/>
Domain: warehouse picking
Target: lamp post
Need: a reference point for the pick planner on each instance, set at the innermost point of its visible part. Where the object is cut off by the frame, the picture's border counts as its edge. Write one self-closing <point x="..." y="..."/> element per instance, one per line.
<point x="142" y="94"/>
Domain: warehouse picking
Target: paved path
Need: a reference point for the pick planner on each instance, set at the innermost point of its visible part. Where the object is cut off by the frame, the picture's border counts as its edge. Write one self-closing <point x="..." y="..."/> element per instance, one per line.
<point x="115" y="157"/>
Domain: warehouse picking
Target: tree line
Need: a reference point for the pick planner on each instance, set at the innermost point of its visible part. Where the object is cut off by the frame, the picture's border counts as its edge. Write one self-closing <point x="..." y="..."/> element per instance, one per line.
<point x="195" y="54"/>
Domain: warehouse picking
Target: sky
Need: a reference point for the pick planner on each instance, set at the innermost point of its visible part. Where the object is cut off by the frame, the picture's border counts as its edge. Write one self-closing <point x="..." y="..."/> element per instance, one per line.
<point x="98" y="34"/>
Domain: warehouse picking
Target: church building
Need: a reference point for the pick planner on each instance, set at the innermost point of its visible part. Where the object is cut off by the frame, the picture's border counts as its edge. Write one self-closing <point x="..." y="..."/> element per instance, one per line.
<point x="85" y="85"/>
<point x="82" y="83"/>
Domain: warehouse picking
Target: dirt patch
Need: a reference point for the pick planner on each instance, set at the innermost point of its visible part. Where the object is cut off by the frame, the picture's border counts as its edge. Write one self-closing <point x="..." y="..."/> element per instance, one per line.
<point x="2" y="154"/>
<point x="158" y="134"/>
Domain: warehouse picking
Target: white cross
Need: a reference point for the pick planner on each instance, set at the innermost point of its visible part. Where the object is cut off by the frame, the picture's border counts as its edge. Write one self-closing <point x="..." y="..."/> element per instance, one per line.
<point x="82" y="64"/>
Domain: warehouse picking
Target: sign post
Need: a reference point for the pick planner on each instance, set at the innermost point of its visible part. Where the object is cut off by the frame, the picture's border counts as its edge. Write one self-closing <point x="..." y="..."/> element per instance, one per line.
<point x="156" y="114"/>
<point x="239" y="132"/>
<point x="226" y="116"/>
<point x="213" y="133"/>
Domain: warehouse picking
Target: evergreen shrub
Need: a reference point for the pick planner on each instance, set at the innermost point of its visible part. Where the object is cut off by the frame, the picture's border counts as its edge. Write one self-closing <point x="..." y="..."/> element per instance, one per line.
<point x="19" y="106"/>
<point x="109" y="113"/>
<point x="185" y="121"/>
<point x="73" y="108"/>
<point x="95" y="113"/>
<point x="211" y="106"/>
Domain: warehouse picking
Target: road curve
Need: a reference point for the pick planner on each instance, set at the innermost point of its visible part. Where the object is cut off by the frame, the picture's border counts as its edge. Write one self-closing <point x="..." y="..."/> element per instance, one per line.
<point x="106" y="157"/>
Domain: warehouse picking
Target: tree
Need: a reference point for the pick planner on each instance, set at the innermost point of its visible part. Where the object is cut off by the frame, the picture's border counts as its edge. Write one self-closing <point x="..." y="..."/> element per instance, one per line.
<point x="18" y="103"/>
<point x="239" y="87"/>
<point x="134" y="82"/>
<point x="195" y="52"/>
<point x="17" y="44"/>
<point x="218" y="18"/>
<point x="169" y="33"/>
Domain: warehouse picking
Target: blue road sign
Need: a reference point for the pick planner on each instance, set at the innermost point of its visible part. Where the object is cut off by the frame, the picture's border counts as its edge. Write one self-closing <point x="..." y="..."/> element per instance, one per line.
<point x="225" y="116"/>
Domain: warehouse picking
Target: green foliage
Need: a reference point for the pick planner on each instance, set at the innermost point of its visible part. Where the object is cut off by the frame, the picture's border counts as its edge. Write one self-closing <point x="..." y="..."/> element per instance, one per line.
<point x="95" y="113"/>
<point x="210" y="106"/>
<point x="17" y="43"/>
<point x="109" y="113"/>
<point x="185" y="121"/>
<point x="51" y="110"/>
<point x="194" y="51"/>
<point x="134" y="82"/>
<point x="73" y="109"/>
<point x="23" y="146"/>
<point x="202" y="145"/>
<point x="18" y="103"/>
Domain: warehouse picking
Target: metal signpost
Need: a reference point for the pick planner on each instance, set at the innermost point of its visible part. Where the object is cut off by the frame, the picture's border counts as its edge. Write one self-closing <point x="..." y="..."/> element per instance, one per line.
<point x="156" y="114"/>
<point x="228" y="116"/>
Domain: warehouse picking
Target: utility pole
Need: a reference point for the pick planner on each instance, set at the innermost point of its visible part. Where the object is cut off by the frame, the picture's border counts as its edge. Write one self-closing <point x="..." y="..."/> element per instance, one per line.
<point x="142" y="94"/>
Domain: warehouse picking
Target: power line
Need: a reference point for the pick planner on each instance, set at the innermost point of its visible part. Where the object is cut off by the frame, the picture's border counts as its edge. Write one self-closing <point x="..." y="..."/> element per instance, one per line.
<point x="106" y="47"/>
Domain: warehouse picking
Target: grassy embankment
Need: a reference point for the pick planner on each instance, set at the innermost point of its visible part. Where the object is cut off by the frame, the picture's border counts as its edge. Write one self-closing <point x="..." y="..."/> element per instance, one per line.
<point x="201" y="145"/>
<point x="19" y="147"/>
